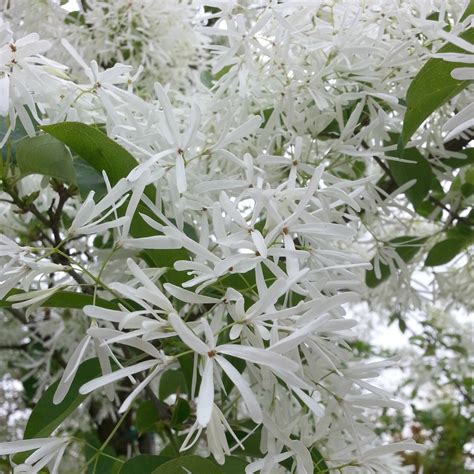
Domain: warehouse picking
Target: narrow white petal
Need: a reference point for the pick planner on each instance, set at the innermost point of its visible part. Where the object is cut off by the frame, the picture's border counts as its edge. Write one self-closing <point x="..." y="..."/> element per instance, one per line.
<point x="76" y="56"/>
<point x="155" y="242"/>
<point x="269" y="298"/>
<point x="206" y="394"/>
<point x="310" y="402"/>
<point x="259" y="242"/>
<point x="186" y="335"/>
<point x="243" y="387"/>
<point x="168" y="111"/>
<point x="463" y="74"/>
<point x="240" y="132"/>
<point x="258" y="356"/>
<point x="105" y="368"/>
<point x="136" y="391"/>
<point x="4" y="95"/>
<point x="394" y="448"/>
<point x="181" y="183"/>
<point x="189" y="296"/>
<point x="70" y="370"/>
<point x="104" y="314"/>
<point x="299" y="336"/>
<point x="12" y="447"/>
<point x="117" y="375"/>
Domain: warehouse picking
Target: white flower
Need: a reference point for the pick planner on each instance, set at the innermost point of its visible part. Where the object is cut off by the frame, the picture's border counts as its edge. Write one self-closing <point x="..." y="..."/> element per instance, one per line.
<point x="90" y="216"/>
<point x="24" y="269"/>
<point x="48" y="452"/>
<point x="212" y="355"/>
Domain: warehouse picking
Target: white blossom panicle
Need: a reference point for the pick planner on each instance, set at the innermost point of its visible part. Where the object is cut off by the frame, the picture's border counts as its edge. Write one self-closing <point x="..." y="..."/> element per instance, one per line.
<point x="255" y="127"/>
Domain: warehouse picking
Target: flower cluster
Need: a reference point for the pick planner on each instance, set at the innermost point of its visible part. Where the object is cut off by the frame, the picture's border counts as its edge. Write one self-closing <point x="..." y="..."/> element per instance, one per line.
<point x="254" y="181"/>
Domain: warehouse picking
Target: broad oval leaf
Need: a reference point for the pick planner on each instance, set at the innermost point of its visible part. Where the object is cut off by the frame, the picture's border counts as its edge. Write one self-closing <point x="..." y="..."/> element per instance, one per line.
<point x="146" y="417"/>
<point x="194" y="464"/>
<point x="143" y="463"/>
<point x="171" y="382"/>
<point x="88" y="179"/>
<point x="444" y="251"/>
<point x="101" y="152"/>
<point x="47" y="156"/>
<point x="46" y="416"/>
<point x="417" y="168"/>
<point x="234" y="465"/>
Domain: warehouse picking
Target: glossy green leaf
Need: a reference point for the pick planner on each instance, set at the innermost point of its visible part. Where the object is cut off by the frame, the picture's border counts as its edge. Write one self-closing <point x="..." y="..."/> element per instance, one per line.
<point x="64" y="299"/>
<point x="234" y="465"/>
<point x="143" y="463"/>
<point x="194" y="464"/>
<point x="171" y="382"/>
<point x="88" y="179"/>
<point x="46" y="416"/>
<point x="432" y="87"/>
<point x="417" y="168"/>
<point x="47" y="156"/>
<point x="16" y="135"/>
<point x="101" y="152"/>
<point x="444" y="251"/>
<point x="146" y="417"/>
<point x="181" y="412"/>
<point x="103" y="461"/>
<point x="406" y="246"/>
<point x="251" y="444"/>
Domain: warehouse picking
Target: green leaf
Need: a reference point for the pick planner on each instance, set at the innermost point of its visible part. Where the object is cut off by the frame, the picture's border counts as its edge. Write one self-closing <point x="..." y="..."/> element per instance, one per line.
<point x="195" y="464"/>
<point x="63" y="299"/>
<point x="104" y="154"/>
<point x="89" y="179"/>
<point x="406" y="246"/>
<point x="47" y="156"/>
<point x="171" y="382"/>
<point x="46" y="416"/>
<point x="459" y="349"/>
<point x="146" y="417"/>
<point x="432" y="87"/>
<point x="16" y="135"/>
<point x="467" y="189"/>
<point x="444" y="251"/>
<point x="181" y="412"/>
<point x="104" y="461"/>
<point x="418" y="168"/>
<point x="101" y="152"/>
<point x="469" y="10"/>
<point x="143" y="463"/>
<point x="251" y="444"/>
<point x="207" y="78"/>
<point x="234" y="465"/>
<point x="461" y="231"/>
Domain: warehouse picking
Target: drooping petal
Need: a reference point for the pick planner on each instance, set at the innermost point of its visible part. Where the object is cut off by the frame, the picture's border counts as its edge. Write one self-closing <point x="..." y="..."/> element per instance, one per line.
<point x="117" y="375"/>
<point x="186" y="335"/>
<point x="70" y="370"/>
<point x="206" y="394"/>
<point x="243" y="387"/>
<point x="258" y="356"/>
